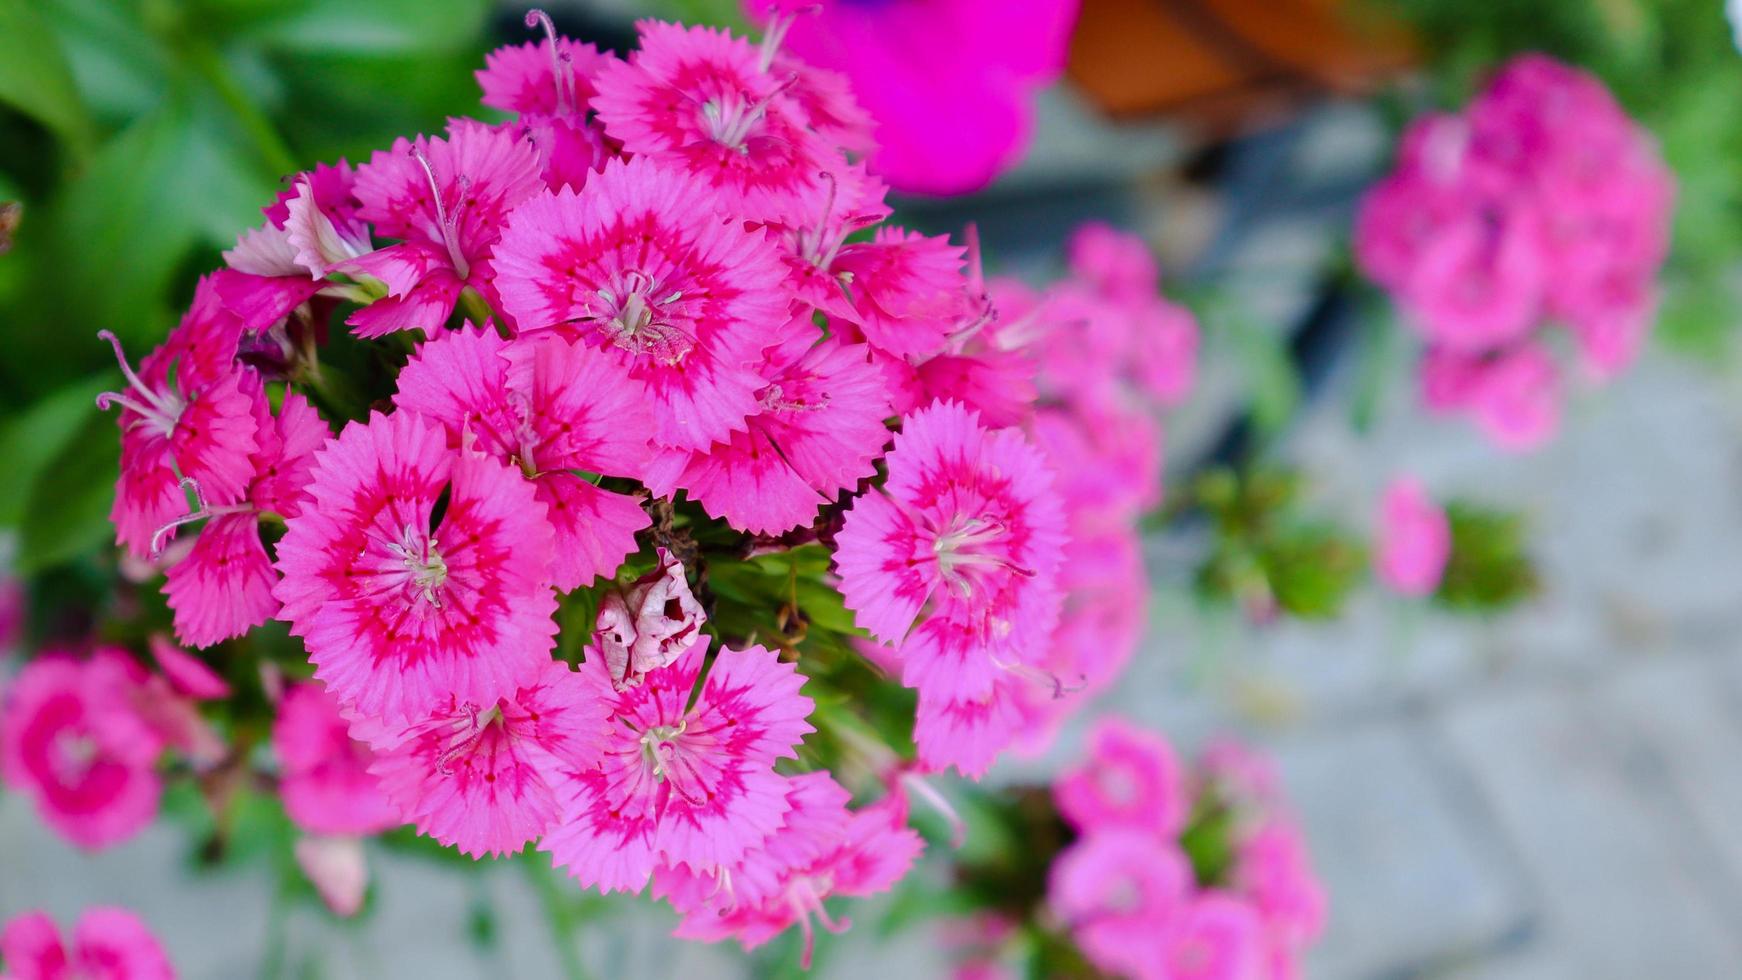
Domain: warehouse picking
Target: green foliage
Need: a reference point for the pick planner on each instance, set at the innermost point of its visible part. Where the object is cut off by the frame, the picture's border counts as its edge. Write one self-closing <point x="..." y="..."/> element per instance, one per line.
<point x="1674" y="65"/>
<point x="1267" y="554"/>
<point x="1489" y="569"/>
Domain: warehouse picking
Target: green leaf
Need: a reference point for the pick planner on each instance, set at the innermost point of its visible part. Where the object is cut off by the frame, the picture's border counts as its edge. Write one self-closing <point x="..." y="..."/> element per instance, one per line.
<point x="66" y="512"/>
<point x="42" y="432"/>
<point x="379" y="27"/>
<point x="35" y="77"/>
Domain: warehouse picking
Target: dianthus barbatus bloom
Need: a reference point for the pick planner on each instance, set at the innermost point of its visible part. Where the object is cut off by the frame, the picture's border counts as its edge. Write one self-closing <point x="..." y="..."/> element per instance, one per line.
<point x="310" y="228"/>
<point x="1130" y="778"/>
<point x="965" y="538"/>
<point x="484" y="778"/>
<point x="1116" y="891"/>
<point x="822" y="850"/>
<point x="908" y="290"/>
<point x="819" y="431"/>
<point x="705" y="103"/>
<point x="184" y="413"/>
<point x="1415" y="539"/>
<point x="324" y="778"/>
<point x="1214" y="936"/>
<point x="691" y="786"/>
<point x="897" y="55"/>
<point x="223" y="587"/>
<point x="401" y="609"/>
<point x="107" y="944"/>
<point x="446" y="200"/>
<point x="649" y="624"/>
<point x="549" y="407"/>
<point x="642" y="265"/>
<point x="71" y="739"/>
<point x="549" y="84"/>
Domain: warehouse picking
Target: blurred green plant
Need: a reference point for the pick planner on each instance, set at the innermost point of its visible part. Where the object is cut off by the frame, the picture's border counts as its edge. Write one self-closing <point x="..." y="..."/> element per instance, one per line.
<point x="137" y="138"/>
<point x="1675" y="66"/>
<point x="1489" y="569"/>
<point x="1268" y="555"/>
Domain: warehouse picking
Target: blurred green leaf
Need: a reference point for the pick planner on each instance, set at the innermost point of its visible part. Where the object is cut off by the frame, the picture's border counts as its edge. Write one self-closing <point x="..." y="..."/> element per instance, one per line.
<point x="35" y="77"/>
<point x="34" y="438"/>
<point x="378" y="27"/>
<point x="1489" y="569"/>
<point x="66" y="511"/>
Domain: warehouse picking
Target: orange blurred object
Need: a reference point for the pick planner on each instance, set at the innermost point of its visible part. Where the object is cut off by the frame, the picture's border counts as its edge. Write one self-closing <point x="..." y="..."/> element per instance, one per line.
<point x="1222" y="62"/>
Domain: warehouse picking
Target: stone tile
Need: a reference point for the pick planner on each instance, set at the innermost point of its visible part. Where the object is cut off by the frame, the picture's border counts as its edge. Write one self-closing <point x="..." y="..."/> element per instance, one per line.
<point x="1617" y="893"/>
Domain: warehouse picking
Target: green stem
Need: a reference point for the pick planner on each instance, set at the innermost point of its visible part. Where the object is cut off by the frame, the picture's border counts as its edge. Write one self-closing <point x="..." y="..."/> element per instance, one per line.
<point x="557" y="914"/>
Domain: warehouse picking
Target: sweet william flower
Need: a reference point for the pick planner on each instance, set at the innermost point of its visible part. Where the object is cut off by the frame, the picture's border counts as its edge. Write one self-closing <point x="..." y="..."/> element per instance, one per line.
<point x="818" y="431"/>
<point x="649" y="624"/>
<point x="964" y="538"/>
<point x="681" y="783"/>
<point x="707" y="105"/>
<point x="71" y="739"/>
<point x="549" y="85"/>
<point x="1214" y="937"/>
<point x="549" y="407"/>
<point x="823" y="850"/>
<point x="1116" y="891"/>
<point x="107" y="944"/>
<point x="324" y="779"/>
<point x="402" y="609"/>
<point x="184" y="413"/>
<point x="641" y="265"/>
<point x="446" y="199"/>
<point x="310" y="228"/>
<point x="1130" y="778"/>
<point x="1415" y="539"/>
<point x="484" y="778"/>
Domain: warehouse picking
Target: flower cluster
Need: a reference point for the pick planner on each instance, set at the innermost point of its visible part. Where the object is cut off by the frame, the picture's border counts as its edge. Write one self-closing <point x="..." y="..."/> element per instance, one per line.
<point x="107" y="944"/>
<point x="1540" y="204"/>
<point x="1181" y="875"/>
<point x="507" y="423"/>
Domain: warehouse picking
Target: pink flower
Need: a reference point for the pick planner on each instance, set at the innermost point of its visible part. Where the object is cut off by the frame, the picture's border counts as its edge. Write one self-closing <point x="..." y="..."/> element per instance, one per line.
<point x="649" y="624"/>
<point x="1116" y="891"/>
<point x="71" y="739"/>
<point x="1513" y="396"/>
<point x="337" y="867"/>
<point x="324" y="777"/>
<point x="693" y="786"/>
<point x="1271" y="868"/>
<point x="484" y="778"/>
<point x="965" y="538"/>
<point x="1106" y="459"/>
<point x="967" y="731"/>
<point x="398" y="615"/>
<point x="185" y="413"/>
<point x="1479" y="284"/>
<point x="908" y="289"/>
<point x="705" y="104"/>
<point x="640" y="265"/>
<point x="310" y="229"/>
<point x="222" y="587"/>
<point x="549" y="83"/>
<point x="446" y="199"/>
<point x="1414" y="539"/>
<point x="819" y="431"/>
<point x="1214" y="937"/>
<point x="898" y="55"/>
<point x="823" y="850"/>
<point x="1115" y="263"/>
<point x="108" y="944"/>
<point x="1130" y="778"/>
<point x="549" y="407"/>
<point x="187" y="674"/>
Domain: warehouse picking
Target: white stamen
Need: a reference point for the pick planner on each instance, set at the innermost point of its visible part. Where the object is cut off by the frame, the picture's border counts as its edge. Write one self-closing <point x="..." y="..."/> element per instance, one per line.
<point x="449" y="223"/>
<point x="561" y="65"/>
<point x="160" y="410"/>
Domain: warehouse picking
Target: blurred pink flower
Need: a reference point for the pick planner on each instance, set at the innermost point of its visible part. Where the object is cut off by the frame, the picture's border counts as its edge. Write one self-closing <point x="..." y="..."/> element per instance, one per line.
<point x="107" y="944"/>
<point x="1414" y="539"/>
<point x="1117" y="891"/>
<point x="324" y="778"/>
<point x="1129" y="778"/>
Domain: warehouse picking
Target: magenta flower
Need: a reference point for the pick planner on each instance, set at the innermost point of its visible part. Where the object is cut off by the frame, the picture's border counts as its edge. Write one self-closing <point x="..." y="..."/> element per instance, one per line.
<point x="648" y="625"/>
<point x="107" y="944"/>
<point x="823" y="850"/>
<point x="311" y="228"/>
<point x="1213" y="937"/>
<point x="187" y="675"/>
<point x="898" y="55"/>
<point x="401" y="612"/>
<point x="682" y="785"/>
<point x="324" y="778"/>
<point x="1414" y="539"/>
<point x="819" y="430"/>
<point x="908" y="290"/>
<point x="548" y="407"/>
<point x="641" y="265"/>
<point x="446" y="199"/>
<point x="549" y="84"/>
<point x="1273" y="871"/>
<point x="1130" y="778"/>
<point x="484" y="779"/>
<point x="1116" y="891"/>
<point x="1513" y="396"/>
<point x="222" y="587"/>
<point x="184" y="414"/>
<point x="72" y="740"/>
<point x="965" y="539"/>
<point x="967" y="731"/>
<point x="705" y="104"/>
